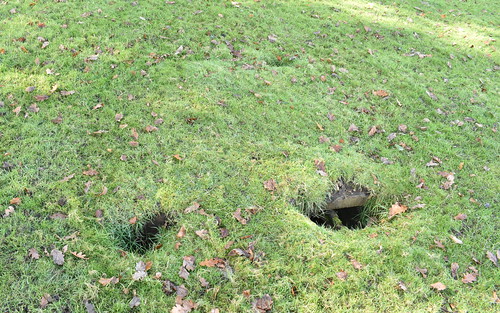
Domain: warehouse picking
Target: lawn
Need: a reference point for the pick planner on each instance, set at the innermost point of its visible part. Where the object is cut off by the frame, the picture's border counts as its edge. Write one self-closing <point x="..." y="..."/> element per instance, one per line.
<point x="229" y="123"/>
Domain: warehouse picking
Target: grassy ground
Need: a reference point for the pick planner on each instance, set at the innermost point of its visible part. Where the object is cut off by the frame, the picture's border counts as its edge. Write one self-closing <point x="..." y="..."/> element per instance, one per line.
<point x="241" y="93"/>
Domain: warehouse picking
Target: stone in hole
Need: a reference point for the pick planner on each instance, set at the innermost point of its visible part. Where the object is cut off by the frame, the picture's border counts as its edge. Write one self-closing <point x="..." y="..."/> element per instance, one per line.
<point x="344" y="207"/>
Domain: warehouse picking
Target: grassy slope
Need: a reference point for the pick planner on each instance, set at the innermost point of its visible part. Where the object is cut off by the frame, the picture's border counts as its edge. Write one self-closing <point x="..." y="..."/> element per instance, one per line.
<point x="230" y="150"/>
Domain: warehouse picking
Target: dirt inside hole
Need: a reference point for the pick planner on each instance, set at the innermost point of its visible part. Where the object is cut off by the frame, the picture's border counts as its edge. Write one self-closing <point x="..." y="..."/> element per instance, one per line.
<point x="144" y="235"/>
<point x="351" y="218"/>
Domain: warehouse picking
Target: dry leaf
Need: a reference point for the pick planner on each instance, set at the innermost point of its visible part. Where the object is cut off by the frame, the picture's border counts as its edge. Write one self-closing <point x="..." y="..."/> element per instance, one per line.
<point x="133" y="220"/>
<point x="270" y="184"/>
<point x="380" y="93"/>
<point x="67" y="178"/>
<point x="438" y="286"/>
<point x="140" y="271"/>
<point x="460" y="217"/>
<point x="469" y="278"/>
<point x="356" y="264"/>
<point x="106" y="281"/>
<point x="136" y="301"/>
<point x="90" y="171"/>
<point x="182" y="232"/>
<point x="57" y="256"/>
<point x="237" y="215"/>
<point x="203" y="234"/>
<point x="493" y="258"/>
<point x="15" y="201"/>
<point x="79" y="255"/>
<point x="192" y="208"/>
<point x="33" y="253"/>
<point x="45" y="300"/>
<point x="422" y="271"/>
<point x="118" y="117"/>
<point x="342" y="275"/>
<point x="454" y="270"/>
<point x="353" y="128"/>
<point x="456" y="240"/>
<point x="263" y="305"/>
<point x="396" y="208"/>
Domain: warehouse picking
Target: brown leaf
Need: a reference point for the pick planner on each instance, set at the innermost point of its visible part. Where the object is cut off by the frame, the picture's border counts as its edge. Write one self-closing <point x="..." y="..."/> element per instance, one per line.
<point x="439" y="244"/>
<point x="17" y="110"/>
<point x="33" y="253"/>
<point x="67" y="178"/>
<point x="135" y="302"/>
<point x="431" y="95"/>
<point x="33" y="108"/>
<point x="41" y="98"/>
<point x="218" y="262"/>
<point x="456" y="240"/>
<point x="57" y="120"/>
<point x="57" y="256"/>
<point x="422" y="271"/>
<point x="356" y="264"/>
<point x="140" y="271"/>
<point x="401" y="286"/>
<point x="320" y="165"/>
<point x="45" y="300"/>
<point x="15" y="201"/>
<point x="106" y="281"/>
<point x="372" y="131"/>
<point x="202" y="233"/>
<point x="493" y="258"/>
<point x="342" y="275"/>
<point x="118" y="117"/>
<point x="469" y="278"/>
<point x="195" y="206"/>
<point x="263" y="305"/>
<point x="79" y="255"/>
<point x="30" y="89"/>
<point x="460" y="217"/>
<point x="150" y="129"/>
<point x="434" y="162"/>
<point x="454" y="270"/>
<point x="133" y="220"/>
<point x="237" y="216"/>
<point x="134" y="134"/>
<point x="87" y="186"/>
<point x="90" y="171"/>
<point x="98" y="106"/>
<point x="336" y="148"/>
<point x="104" y="191"/>
<point x="182" y="232"/>
<point x="380" y="93"/>
<point x="270" y="184"/>
<point x="177" y="157"/>
<point x="396" y="208"/>
<point x="67" y="93"/>
<point x="438" y="286"/>
<point x="353" y="128"/>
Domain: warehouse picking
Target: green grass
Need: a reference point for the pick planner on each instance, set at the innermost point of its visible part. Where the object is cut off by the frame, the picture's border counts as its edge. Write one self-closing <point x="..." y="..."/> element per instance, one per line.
<point x="237" y="122"/>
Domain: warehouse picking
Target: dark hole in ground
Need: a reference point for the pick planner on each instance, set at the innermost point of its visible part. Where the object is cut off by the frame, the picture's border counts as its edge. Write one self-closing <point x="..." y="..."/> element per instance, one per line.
<point x="344" y="207"/>
<point x="352" y="218"/>
<point x="143" y="236"/>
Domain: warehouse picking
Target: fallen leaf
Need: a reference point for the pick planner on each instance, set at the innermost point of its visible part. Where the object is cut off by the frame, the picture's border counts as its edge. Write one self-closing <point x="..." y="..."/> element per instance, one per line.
<point x="15" y="201"/>
<point x="270" y="184"/>
<point x="150" y="129"/>
<point x="187" y="265"/>
<point x="422" y="271"/>
<point x="67" y="178"/>
<point x="356" y="264"/>
<point x="456" y="240"/>
<point x="106" y="281"/>
<point x="140" y="271"/>
<point x="495" y="298"/>
<point x="33" y="253"/>
<point x="104" y="191"/>
<point x="98" y="106"/>
<point x="133" y="220"/>
<point x="135" y="302"/>
<point x="372" y="131"/>
<point x="204" y="283"/>
<point x="353" y="128"/>
<point x="89" y="307"/>
<point x="57" y="120"/>
<point x="182" y="232"/>
<point x="90" y="171"/>
<point x="342" y="275"/>
<point x="380" y="93"/>
<point x="192" y="207"/>
<point x="41" y="98"/>
<point x="58" y="216"/>
<point x="237" y="216"/>
<point x="401" y="286"/>
<point x="57" y="256"/>
<point x="45" y="300"/>
<point x="118" y="117"/>
<point x="431" y="95"/>
<point x="202" y="233"/>
<point x="438" y="286"/>
<point x="67" y="93"/>
<point x="460" y="217"/>
<point x="263" y="305"/>
<point x="439" y="244"/>
<point x="79" y="255"/>
<point x="454" y="270"/>
<point x="469" y="278"/>
<point x="493" y="258"/>
<point x="435" y="161"/>
<point x="396" y="208"/>
<point x="214" y="262"/>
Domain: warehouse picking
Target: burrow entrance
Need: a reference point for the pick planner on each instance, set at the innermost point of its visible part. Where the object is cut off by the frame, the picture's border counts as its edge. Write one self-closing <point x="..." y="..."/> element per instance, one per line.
<point x="345" y="207"/>
<point x="143" y="236"/>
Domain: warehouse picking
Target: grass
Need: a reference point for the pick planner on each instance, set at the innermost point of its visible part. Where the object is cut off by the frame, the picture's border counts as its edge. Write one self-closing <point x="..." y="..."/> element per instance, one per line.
<point x="231" y="122"/>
